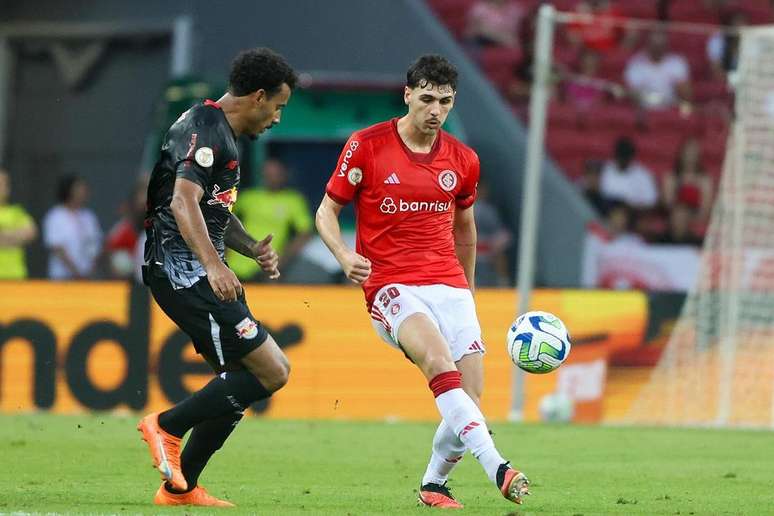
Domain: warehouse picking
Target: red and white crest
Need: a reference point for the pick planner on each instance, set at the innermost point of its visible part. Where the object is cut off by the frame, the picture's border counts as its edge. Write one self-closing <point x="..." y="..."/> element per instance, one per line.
<point x="448" y="180"/>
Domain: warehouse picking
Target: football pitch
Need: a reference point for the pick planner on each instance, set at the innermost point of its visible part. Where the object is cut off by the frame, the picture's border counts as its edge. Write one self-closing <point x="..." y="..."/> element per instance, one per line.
<point x="97" y="464"/>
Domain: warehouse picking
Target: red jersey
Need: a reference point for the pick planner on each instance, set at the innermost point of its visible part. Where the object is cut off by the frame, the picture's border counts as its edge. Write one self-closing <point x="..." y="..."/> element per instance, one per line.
<point x="404" y="204"/>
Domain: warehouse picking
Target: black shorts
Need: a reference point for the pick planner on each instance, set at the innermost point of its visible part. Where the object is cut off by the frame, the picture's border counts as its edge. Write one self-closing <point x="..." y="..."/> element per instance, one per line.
<point x="223" y="332"/>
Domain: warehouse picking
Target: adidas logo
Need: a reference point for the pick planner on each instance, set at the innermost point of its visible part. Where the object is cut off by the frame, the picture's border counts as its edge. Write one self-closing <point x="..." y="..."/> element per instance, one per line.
<point x="392" y="180"/>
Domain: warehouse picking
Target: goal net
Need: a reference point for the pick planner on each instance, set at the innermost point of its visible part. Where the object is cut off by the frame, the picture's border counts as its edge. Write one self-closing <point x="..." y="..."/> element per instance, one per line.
<point x="718" y="367"/>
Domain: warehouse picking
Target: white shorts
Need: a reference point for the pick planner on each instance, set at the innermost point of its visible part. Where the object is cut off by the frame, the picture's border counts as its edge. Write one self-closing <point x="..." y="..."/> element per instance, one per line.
<point x="452" y="310"/>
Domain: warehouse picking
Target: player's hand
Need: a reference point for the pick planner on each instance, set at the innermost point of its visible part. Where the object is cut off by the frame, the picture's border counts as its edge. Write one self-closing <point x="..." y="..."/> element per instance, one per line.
<point x="267" y="257"/>
<point x="357" y="268"/>
<point x="224" y="282"/>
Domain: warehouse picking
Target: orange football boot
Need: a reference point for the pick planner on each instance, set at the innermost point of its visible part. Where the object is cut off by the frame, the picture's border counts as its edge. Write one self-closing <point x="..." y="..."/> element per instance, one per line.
<point x="437" y="495"/>
<point x="196" y="496"/>
<point x="165" y="450"/>
<point x="513" y="484"/>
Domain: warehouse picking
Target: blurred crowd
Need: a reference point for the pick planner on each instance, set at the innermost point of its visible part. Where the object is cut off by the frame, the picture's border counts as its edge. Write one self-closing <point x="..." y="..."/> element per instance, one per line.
<point x="639" y="109"/>
<point x="638" y="119"/>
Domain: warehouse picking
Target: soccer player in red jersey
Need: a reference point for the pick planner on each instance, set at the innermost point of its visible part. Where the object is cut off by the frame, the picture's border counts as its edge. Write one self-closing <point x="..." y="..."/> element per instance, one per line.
<point x="413" y="186"/>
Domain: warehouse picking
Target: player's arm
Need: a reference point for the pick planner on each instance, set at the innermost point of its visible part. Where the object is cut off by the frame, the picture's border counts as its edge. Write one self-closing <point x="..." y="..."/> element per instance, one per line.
<point x="357" y="268"/>
<point x="238" y="239"/>
<point x="465" y="242"/>
<point x="190" y="221"/>
<point x="19" y="236"/>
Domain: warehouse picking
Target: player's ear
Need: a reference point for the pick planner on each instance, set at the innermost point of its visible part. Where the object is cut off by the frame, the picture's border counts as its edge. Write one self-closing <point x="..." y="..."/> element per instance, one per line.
<point x="406" y="95"/>
<point x="259" y="95"/>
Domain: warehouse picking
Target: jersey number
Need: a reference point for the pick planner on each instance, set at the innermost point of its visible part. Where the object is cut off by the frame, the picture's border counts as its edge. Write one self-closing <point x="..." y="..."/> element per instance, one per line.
<point x="390" y="294"/>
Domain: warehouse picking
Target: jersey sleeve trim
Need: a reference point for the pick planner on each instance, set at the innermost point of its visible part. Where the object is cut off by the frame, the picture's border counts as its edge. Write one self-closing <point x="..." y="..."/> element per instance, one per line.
<point x="337" y="198"/>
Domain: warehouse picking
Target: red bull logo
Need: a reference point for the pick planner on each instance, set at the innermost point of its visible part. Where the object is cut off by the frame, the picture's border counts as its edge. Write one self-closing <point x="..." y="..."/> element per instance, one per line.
<point x="226" y="198"/>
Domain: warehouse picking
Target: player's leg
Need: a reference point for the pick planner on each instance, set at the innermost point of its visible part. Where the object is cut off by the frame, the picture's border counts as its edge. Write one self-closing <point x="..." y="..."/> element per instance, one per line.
<point x="421" y="338"/>
<point x="270" y="366"/>
<point x="424" y="344"/>
<point x="448" y="449"/>
<point x="225" y="334"/>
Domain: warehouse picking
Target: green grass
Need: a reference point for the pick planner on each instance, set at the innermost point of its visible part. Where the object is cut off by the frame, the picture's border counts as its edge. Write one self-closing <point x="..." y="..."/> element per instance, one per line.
<point x="97" y="464"/>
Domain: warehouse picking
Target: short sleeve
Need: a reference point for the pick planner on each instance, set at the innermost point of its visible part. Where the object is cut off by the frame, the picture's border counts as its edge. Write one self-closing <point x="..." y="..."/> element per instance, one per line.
<point x="53" y="232"/>
<point x="633" y="74"/>
<point x="680" y="69"/>
<point x="467" y="194"/>
<point x="348" y="174"/>
<point x="21" y="218"/>
<point x="194" y="145"/>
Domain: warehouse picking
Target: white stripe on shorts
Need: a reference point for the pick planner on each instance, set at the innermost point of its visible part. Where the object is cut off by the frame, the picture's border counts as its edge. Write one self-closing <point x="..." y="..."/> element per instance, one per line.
<point x="215" y="332"/>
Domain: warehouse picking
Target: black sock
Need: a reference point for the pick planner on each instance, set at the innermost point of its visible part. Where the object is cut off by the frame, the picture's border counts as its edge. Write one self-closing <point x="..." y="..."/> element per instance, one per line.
<point x="206" y="438"/>
<point x="226" y="393"/>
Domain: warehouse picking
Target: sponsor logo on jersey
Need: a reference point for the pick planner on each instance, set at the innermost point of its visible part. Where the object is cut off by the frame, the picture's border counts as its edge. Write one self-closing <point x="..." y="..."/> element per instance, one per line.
<point x="247" y="329"/>
<point x="353" y="145"/>
<point x="226" y="198"/>
<point x="191" y="145"/>
<point x="392" y="179"/>
<point x="448" y="180"/>
<point x="354" y="176"/>
<point x="389" y="206"/>
<point x="395" y="308"/>
<point x="204" y="157"/>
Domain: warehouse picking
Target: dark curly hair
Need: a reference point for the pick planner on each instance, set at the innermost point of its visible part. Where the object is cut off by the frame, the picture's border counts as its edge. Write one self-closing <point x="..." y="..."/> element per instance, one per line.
<point x="260" y="69"/>
<point x="431" y="68"/>
<point x="65" y="186"/>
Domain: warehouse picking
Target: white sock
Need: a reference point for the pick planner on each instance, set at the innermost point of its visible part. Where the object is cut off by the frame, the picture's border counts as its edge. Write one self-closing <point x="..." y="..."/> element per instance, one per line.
<point x="466" y="420"/>
<point x="447" y="452"/>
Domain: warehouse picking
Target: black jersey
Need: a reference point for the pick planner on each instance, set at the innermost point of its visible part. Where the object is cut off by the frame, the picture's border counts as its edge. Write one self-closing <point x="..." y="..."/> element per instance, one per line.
<point x="200" y="147"/>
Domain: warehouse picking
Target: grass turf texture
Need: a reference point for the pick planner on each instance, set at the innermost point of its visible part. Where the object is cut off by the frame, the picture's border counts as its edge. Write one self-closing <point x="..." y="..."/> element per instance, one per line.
<point x="97" y="464"/>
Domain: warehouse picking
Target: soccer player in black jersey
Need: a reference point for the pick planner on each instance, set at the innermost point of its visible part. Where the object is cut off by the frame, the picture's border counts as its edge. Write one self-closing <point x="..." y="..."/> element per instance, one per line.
<point x="189" y="224"/>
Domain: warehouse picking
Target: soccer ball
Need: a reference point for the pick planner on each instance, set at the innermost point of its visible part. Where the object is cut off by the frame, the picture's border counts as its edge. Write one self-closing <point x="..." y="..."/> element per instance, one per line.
<point x="556" y="408"/>
<point x="538" y="342"/>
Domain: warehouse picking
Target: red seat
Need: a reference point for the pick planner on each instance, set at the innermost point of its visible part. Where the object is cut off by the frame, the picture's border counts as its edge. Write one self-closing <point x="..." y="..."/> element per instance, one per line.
<point x="575" y="144"/>
<point x="563" y="115"/>
<point x="692" y="11"/>
<point x="658" y="147"/>
<point x="621" y="118"/>
<point x="671" y="120"/>
<point x="499" y="64"/>
<point x="639" y="8"/>
<point x="613" y="64"/>
<point x="706" y="91"/>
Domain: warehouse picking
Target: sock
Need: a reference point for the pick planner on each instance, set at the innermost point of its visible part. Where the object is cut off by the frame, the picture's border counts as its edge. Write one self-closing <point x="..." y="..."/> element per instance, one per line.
<point x="227" y="392"/>
<point x="466" y="420"/>
<point x="447" y="452"/>
<point x="206" y="438"/>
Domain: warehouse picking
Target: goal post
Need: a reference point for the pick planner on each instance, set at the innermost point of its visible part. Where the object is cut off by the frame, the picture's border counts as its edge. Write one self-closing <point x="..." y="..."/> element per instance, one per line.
<point x="718" y="366"/>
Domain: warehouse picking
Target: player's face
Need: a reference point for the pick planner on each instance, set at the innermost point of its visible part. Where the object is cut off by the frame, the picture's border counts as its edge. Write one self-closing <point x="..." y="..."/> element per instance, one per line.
<point x="268" y="110"/>
<point x="429" y="105"/>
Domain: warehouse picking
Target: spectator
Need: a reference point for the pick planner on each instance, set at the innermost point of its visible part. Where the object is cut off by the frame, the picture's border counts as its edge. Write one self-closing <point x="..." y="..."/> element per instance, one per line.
<point x="493" y="241"/>
<point x="123" y="246"/>
<point x="624" y="179"/>
<point x="585" y="89"/>
<point x="71" y="232"/>
<point x="495" y="23"/>
<point x="656" y="77"/>
<point x="679" y="230"/>
<point x="17" y="229"/>
<point x="602" y="30"/>
<point x="272" y="209"/>
<point x="590" y="183"/>
<point x="689" y="182"/>
<point x="619" y="225"/>
<point x="723" y="46"/>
